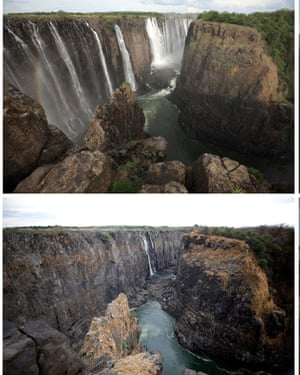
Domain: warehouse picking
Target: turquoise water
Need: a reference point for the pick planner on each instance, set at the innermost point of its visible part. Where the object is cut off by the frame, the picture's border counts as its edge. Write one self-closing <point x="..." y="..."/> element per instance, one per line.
<point x="158" y="335"/>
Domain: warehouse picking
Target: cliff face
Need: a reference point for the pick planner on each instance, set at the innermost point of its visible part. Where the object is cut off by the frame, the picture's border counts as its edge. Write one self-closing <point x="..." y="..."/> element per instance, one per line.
<point x="223" y="304"/>
<point x="227" y="91"/>
<point x="67" y="276"/>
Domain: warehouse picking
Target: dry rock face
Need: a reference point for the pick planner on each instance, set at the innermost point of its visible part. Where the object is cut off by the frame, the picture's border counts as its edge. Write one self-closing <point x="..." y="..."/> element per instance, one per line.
<point x="115" y="123"/>
<point x="228" y="97"/>
<point x="83" y="172"/>
<point x="213" y="174"/>
<point x="36" y="348"/>
<point x="113" y="342"/>
<point x="222" y="302"/>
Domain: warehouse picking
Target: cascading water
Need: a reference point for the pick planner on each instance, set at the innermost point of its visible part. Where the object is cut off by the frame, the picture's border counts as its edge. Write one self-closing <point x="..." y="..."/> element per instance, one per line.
<point x="103" y="60"/>
<point x="128" y="71"/>
<point x="167" y="38"/>
<point x="148" y="255"/>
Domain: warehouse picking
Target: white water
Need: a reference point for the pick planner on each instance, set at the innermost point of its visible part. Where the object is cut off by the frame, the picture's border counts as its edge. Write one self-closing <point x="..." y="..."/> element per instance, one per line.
<point x="128" y="71"/>
<point x="148" y="256"/>
<point x="167" y="39"/>
<point x="68" y="61"/>
<point x="103" y="60"/>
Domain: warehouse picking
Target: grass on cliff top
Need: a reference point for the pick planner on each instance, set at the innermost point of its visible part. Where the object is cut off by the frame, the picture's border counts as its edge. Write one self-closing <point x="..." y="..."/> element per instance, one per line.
<point x="277" y="28"/>
<point x="61" y="14"/>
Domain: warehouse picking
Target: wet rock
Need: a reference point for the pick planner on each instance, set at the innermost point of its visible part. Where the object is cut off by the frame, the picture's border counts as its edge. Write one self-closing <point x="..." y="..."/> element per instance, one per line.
<point x="165" y="172"/>
<point x="115" y="123"/>
<point x="170" y="187"/>
<point x="25" y="135"/>
<point x="213" y="174"/>
<point x="83" y="172"/>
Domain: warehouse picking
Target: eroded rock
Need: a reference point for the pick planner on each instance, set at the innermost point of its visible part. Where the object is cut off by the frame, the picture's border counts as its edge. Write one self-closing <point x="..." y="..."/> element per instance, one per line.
<point x="213" y="174"/>
<point x="165" y="172"/>
<point x="171" y="187"/>
<point x="115" y="123"/>
<point x="83" y="172"/>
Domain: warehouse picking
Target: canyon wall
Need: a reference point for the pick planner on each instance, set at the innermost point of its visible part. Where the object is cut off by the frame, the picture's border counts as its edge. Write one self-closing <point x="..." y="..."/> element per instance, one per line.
<point x="65" y="277"/>
<point x="223" y="304"/>
<point x="228" y="91"/>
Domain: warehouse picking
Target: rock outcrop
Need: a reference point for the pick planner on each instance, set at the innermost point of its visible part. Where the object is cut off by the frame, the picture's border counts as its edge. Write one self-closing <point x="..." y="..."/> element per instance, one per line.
<point x="116" y="123"/>
<point x="28" y="140"/>
<point x="213" y="174"/>
<point x="230" y="95"/>
<point x="66" y="277"/>
<point x="112" y="343"/>
<point x="83" y="172"/>
<point x="223" y="304"/>
<point x="36" y="348"/>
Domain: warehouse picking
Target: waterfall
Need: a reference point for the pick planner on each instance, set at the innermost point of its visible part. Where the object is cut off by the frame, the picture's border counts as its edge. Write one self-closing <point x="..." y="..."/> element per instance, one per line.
<point x="148" y="255"/>
<point x="167" y="39"/>
<point x="128" y="71"/>
<point x="103" y="61"/>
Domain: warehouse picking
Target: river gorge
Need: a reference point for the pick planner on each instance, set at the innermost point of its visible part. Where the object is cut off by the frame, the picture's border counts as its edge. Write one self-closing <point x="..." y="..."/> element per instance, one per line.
<point x="68" y="288"/>
<point x="227" y="104"/>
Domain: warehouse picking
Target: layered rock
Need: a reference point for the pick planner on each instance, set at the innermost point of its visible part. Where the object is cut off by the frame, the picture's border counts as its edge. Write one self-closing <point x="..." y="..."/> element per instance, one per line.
<point x="68" y="276"/>
<point x="116" y="123"/>
<point x="229" y="97"/>
<point x="223" y="305"/>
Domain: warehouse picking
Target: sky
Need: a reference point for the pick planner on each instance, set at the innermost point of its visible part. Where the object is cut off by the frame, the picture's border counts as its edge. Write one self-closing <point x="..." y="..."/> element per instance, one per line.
<point x="162" y="6"/>
<point x="233" y="210"/>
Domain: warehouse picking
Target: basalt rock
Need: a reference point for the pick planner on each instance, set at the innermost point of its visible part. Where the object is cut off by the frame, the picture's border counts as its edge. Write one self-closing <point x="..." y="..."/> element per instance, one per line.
<point x="116" y="123"/>
<point x="36" y="348"/>
<point x="230" y="96"/>
<point x="162" y="173"/>
<point x="213" y="174"/>
<point x="66" y="277"/>
<point x="223" y="305"/>
<point x="111" y="337"/>
<point x="83" y="172"/>
<point x="171" y="187"/>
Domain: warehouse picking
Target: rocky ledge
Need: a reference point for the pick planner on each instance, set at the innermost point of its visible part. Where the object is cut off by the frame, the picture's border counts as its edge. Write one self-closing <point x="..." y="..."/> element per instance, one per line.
<point x="116" y="155"/>
<point x="223" y="305"/>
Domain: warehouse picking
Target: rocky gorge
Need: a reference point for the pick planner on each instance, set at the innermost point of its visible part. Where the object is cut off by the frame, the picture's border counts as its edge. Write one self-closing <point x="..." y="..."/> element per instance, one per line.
<point x="74" y="67"/>
<point x="58" y="283"/>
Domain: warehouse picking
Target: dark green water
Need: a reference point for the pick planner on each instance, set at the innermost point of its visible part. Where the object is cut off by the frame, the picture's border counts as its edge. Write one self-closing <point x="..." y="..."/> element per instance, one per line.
<point x="162" y="119"/>
<point x="158" y="335"/>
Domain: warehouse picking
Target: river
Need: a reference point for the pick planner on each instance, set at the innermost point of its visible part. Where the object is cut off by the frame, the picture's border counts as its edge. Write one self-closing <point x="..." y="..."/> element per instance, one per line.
<point x="158" y="335"/>
<point x="162" y="119"/>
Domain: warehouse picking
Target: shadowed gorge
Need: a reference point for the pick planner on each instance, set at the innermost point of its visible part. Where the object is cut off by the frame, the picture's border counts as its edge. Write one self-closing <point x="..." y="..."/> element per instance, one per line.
<point x="231" y="300"/>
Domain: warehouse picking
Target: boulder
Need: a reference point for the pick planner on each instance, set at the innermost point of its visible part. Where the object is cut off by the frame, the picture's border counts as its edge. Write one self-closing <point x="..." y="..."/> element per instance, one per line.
<point x="170" y="187"/>
<point x="213" y="174"/>
<point x="54" y="355"/>
<point x="25" y="135"/>
<point x="19" y="352"/>
<point x="165" y="172"/>
<point x="139" y="364"/>
<point x="83" y="172"/>
<point x="115" y="123"/>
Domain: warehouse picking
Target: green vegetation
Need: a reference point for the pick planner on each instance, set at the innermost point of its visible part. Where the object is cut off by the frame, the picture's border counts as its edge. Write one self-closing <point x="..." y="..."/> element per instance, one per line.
<point x="61" y="13"/>
<point x="105" y="237"/>
<point x="278" y="30"/>
<point x="131" y="185"/>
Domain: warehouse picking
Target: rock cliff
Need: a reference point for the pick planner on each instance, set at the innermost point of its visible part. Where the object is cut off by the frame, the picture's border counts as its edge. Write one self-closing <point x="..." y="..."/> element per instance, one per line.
<point x="68" y="276"/>
<point x="223" y="305"/>
<point x="230" y="96"/>
<point x="112" y="342"/>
